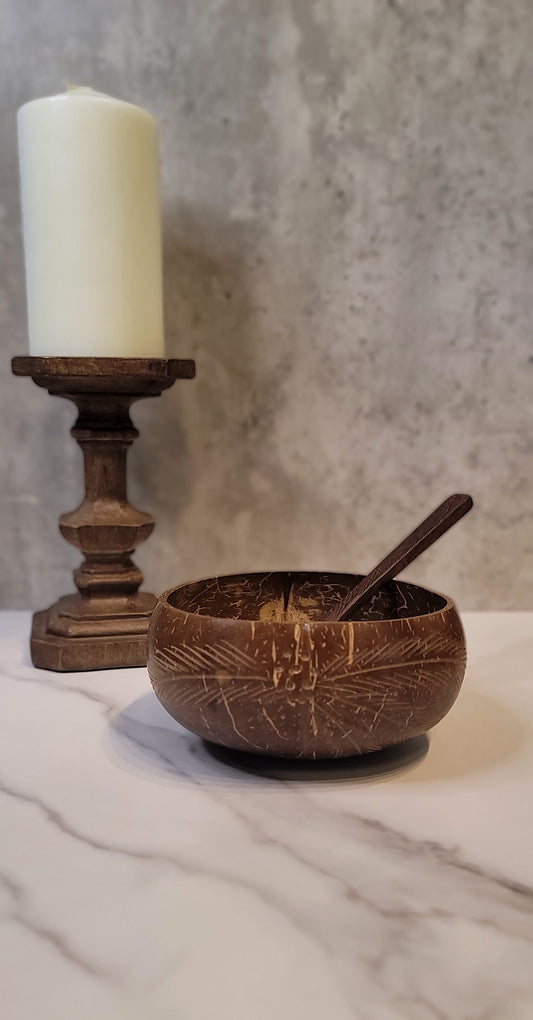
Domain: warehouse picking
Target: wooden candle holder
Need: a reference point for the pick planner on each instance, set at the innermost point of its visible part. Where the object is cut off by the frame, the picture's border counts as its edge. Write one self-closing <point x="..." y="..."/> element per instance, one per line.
<point x="105" y="624"/>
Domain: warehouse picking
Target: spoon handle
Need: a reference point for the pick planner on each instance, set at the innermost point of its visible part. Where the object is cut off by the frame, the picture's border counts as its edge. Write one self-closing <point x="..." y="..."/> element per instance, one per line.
<point x="438" y="522"/>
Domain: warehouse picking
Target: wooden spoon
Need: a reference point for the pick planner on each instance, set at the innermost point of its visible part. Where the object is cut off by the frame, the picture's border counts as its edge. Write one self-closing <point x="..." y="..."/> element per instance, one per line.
<point x="437" y="524"/>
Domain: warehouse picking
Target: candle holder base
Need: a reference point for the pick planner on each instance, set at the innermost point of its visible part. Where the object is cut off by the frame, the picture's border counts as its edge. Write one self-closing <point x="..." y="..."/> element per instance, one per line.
<point x="73" y="652"/>
<point x="105" y="624"/>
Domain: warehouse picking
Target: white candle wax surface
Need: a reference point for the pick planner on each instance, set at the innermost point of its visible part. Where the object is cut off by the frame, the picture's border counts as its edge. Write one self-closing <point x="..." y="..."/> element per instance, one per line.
<point x="89" y="170"/>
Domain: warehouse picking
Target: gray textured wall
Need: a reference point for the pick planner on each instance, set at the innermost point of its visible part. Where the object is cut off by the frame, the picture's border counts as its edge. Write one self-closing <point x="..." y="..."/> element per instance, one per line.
<point x="348" y="219"/>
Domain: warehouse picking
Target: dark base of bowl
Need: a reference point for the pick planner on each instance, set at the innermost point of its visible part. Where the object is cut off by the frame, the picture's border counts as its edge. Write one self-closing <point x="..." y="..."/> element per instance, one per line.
<point x="361" y="767"/>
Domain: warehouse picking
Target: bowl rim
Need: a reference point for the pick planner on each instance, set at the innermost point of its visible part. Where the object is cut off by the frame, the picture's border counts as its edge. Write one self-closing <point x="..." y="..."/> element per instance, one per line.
<point x="164" y="600"/>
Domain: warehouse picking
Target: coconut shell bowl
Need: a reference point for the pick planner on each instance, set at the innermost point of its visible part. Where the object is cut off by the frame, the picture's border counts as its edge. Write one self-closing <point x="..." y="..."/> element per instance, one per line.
<point x="251" y="662"/>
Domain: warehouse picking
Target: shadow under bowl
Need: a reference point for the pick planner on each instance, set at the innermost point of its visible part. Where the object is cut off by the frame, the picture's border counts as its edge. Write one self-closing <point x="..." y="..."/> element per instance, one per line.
<point x="248" y="661"/>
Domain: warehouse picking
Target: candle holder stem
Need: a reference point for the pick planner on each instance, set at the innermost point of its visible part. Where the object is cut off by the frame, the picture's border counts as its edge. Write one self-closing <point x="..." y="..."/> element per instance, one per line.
<point x="105" y="623"/>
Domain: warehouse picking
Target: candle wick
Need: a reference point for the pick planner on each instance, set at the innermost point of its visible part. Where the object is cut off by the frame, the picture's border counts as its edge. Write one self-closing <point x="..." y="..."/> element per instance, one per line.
<point x="78" y="88"/>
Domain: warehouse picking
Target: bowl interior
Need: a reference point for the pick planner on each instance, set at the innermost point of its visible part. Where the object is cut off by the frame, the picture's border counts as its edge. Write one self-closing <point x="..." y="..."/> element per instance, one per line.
<point x="298" y="596"/>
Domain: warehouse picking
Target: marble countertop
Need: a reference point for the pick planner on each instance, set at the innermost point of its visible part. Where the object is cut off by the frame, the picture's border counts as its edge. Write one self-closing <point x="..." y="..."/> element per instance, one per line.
<point x="143" y="877"/>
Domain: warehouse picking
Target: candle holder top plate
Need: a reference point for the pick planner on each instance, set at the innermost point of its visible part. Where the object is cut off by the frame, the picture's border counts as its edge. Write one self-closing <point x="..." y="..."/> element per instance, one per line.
<point x="145" y="376"/>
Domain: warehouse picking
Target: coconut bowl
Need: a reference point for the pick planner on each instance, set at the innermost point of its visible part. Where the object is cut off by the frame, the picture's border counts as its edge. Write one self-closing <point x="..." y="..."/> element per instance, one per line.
<point x="248" y="661"/>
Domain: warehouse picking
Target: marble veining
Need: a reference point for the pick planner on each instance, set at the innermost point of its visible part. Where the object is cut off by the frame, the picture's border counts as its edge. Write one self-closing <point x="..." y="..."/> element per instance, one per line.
<point x="143" y="877"/>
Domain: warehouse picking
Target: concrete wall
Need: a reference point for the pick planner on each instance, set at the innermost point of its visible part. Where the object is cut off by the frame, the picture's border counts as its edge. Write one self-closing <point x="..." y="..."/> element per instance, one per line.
<point x="348" y="218"/>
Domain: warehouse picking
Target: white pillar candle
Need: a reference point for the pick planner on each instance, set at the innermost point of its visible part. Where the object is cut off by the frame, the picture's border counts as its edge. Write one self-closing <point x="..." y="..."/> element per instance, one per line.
<point x="89" y="169"/>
